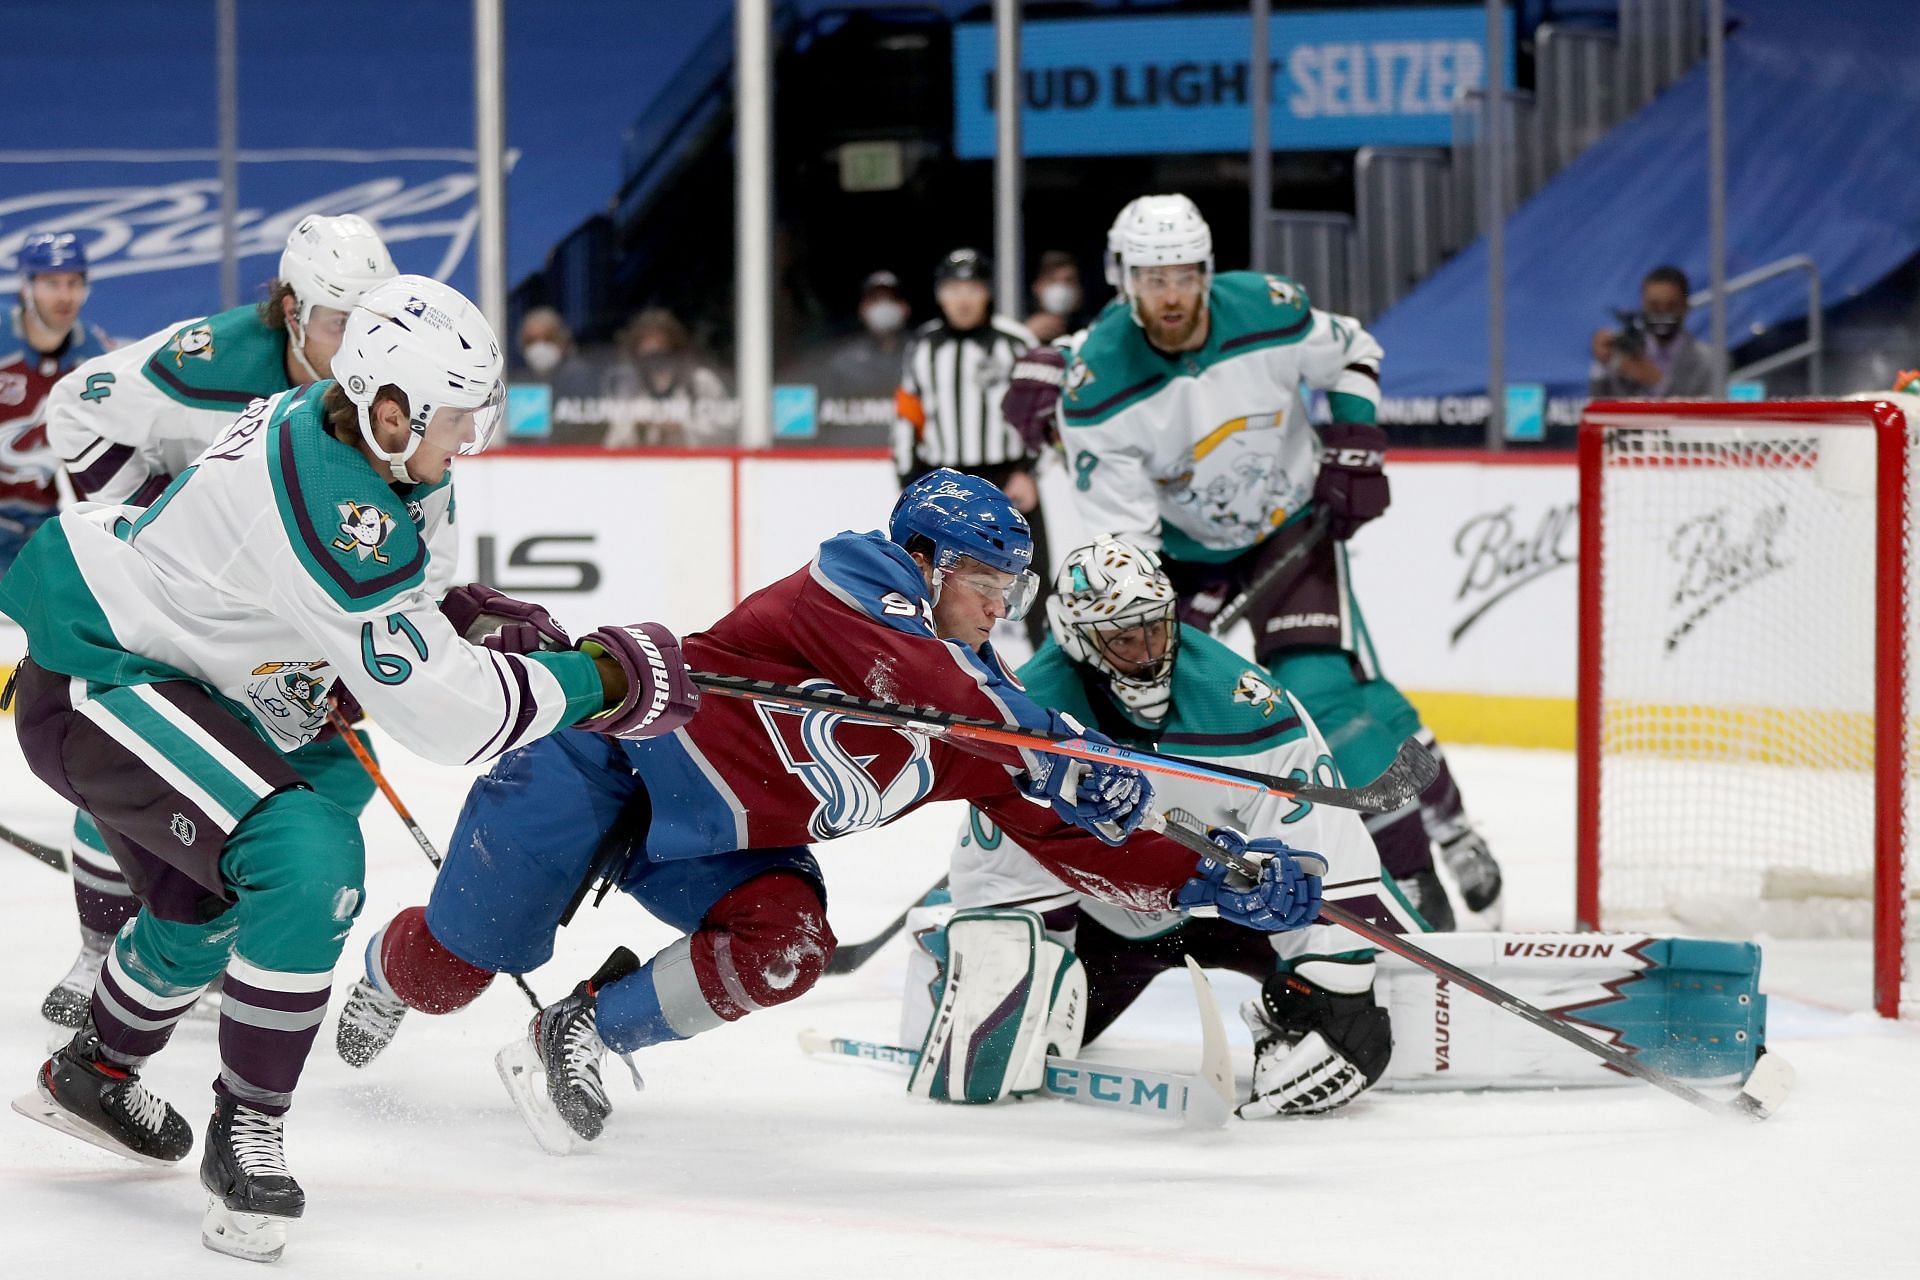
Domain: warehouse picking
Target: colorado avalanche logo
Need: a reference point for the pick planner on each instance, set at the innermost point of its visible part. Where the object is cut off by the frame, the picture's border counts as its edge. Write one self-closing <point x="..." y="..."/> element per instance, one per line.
<point x="363" y="530"/>
<point x="861" y="774"/>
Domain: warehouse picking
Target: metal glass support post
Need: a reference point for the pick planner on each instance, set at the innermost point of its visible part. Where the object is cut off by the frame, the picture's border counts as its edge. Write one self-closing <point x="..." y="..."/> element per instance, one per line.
<point x="753" y="219"/>
<point x="1493" y="155"/>
<point x="1717" y="182"/>
<point x="489" y="163"/>
<point x="1009" y="272"/>
<point x="1260" y="144"/>
<point x="227" y="41"/>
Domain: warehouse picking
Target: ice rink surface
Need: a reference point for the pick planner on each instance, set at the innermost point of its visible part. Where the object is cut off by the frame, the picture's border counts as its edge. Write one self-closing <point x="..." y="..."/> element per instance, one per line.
<point x="745" y="1158"/>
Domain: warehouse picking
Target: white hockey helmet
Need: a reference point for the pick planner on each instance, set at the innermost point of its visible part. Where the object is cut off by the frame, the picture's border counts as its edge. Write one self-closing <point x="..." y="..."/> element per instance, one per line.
<point x="330" y="262"/>
<point x="1105" y="590"/>
<point x="1114" y="235"/>
<point x="1164" y="231"/>
<point x="425" y="339"/>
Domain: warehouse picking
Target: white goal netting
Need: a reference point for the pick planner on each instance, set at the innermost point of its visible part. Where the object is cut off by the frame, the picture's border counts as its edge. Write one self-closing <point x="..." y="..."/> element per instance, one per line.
<point x="1754" y="629"/>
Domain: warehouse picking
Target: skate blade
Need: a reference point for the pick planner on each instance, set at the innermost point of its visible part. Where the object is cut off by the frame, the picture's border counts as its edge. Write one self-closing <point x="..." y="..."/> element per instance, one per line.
<point x="256" y="1237"/>
<point x="38" y="1107"/>
<point x="526" y="1081"/>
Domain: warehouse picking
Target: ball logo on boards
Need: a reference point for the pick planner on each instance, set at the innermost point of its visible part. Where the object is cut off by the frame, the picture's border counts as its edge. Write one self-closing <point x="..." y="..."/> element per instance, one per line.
<point x="1502" y="551"/>
<point x="1719" y="555"/>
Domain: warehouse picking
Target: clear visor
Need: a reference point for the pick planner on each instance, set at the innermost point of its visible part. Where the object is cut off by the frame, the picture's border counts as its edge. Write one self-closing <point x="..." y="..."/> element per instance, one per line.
<point x="1015" y="591"/>
<point x="466" y="430"/>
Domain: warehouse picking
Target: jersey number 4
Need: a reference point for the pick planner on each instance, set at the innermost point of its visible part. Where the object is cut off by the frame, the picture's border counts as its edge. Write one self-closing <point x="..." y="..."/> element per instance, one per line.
<point x="861" y="774"/>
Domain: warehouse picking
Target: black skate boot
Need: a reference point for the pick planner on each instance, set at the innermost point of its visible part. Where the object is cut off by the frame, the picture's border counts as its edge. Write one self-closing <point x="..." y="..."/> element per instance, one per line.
<point x="368" y="1022"/>
<point x="83" y="1094"/>
<point x="562" y="1048"/>
<point x="67" y="1004"/>
<point x="244" y="1166"/>
<point x="1475" y="871"/>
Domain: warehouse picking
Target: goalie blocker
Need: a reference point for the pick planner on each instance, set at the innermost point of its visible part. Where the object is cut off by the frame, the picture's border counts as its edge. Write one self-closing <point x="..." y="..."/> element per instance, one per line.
<point x="1688" y="1007"/>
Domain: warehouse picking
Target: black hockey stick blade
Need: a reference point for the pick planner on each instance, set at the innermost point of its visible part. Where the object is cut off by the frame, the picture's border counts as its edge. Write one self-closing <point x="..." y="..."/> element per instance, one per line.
<point x="1762" y="1094"/>
<point x="34" y="849"/>
<point x="847" y="958"/>
<point x="1276" y="577"/>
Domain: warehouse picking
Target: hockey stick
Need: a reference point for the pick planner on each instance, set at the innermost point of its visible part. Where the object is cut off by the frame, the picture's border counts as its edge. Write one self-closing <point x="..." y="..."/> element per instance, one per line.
<point x="848" y="958"/>
<point x="1762" y="1094"/>
<point x="1412" y="768"/>
<point x="34" y="849"/>
<point x="1203" y="1100"/>
<point x="367" y="762"/>
<point x="1276" y="576"/>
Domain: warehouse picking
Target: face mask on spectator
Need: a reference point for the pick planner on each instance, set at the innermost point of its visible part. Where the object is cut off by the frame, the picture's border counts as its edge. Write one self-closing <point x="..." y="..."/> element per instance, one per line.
<point x="1060" y="297"/>
<point x="884" y="315"/>
<point x="542" y="357"/>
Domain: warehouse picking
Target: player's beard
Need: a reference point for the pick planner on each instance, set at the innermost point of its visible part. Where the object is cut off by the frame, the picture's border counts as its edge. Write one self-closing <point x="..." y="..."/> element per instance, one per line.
<point x="1175" y="337"/>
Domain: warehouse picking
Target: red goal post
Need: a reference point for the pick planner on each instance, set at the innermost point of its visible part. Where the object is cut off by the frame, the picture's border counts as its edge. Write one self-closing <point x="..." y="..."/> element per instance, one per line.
<point x="1746" y="748"/>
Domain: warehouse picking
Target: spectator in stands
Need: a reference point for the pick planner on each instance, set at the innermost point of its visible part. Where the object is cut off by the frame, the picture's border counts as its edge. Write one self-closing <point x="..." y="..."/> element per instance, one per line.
<point x="661" y="393"/>
<point x="1652" y="356"/>
<point x="1057" y="293"/>
<point x="548" y="354"/>
<point x="868" y="363"/>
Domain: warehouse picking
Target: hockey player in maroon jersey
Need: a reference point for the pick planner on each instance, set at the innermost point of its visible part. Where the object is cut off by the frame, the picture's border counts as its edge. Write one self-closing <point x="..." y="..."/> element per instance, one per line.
<point x="709" y="828"/>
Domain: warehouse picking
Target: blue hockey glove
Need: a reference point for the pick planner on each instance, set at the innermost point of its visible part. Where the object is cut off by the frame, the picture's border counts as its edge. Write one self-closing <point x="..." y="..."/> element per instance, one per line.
<point x="1106" y="799"/>
<point x="1286" y="896"/>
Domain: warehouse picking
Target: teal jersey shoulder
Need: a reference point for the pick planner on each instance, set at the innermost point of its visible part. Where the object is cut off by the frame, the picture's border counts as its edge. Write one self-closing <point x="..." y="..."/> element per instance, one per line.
<point x="1117" y="367"/>
<point x="349" y="528"/>
<point x="67" y="631"/>
<point x="223" y="362"/>
<point x="1223" y="705"/>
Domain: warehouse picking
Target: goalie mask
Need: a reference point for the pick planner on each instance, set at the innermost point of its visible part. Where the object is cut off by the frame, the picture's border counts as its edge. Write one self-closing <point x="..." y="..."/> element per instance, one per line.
<point x="1112" y="610"/>
<point x="425" y="339"/>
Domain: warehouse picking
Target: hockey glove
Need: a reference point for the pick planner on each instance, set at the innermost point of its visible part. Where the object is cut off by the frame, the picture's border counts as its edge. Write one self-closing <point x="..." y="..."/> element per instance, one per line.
<point x="1033" y="393"/>
<point x="1313" y="1049"/>
<point x="487" y="617"/>
<point x="1108" y="800"/>
<point x="1286" y="896"/>
<point x="661" y="695"/>
<point x="1353" y="481"/>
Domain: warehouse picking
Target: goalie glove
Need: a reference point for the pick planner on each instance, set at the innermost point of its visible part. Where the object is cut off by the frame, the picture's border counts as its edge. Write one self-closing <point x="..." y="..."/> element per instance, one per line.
<point x="1313" y="1050"/>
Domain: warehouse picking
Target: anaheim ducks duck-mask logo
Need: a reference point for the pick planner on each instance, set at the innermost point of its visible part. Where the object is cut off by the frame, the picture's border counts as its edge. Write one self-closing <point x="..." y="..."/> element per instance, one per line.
<point x="363" y="530"/>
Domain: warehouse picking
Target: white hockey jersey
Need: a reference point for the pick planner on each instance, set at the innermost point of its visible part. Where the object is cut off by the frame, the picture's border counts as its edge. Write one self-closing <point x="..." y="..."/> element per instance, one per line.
<point x="1207" y="452"/>
<point x="276" y="563"/>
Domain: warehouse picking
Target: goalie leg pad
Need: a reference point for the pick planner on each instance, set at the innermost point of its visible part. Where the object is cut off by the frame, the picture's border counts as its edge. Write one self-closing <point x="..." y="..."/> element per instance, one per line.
<point x="1008" y="997"/>
<point x="1314" y="1049"/>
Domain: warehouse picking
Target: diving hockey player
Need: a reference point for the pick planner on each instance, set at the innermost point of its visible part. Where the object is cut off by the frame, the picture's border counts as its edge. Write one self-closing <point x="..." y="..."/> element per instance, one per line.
<point x="130" y="421"/>
<point x="1185" y="431"/>
<point x="1118" y="660"/>
<point x="46" y="338"/>
<point x="709" y="828"/>
<point x="159" y="693"/>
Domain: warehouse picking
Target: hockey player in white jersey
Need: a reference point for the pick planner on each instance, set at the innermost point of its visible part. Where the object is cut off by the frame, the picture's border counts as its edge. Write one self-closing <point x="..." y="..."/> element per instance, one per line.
<point x="175" y="652"/>
<point x="1185" y="430"/>
<point x="128" y="421"/>
<point x="1118" y="660"/>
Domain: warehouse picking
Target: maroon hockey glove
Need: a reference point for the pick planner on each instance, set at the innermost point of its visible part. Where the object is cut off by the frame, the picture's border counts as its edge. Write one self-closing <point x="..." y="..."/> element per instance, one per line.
<point x="487" y="617"/>
<point x="661" y="695"/>
<point x="1353" y="482"/>
<point x="1033" y="392"/>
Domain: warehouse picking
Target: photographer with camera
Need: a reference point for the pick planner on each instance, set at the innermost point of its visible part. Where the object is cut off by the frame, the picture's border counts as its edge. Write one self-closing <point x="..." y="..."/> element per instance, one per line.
<point x="1651" y="355"/>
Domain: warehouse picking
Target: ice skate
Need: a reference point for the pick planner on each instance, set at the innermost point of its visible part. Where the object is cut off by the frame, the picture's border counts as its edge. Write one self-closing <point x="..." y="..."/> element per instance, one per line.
<point x="66" y="1005"/>
<point x="82" y="1094"/>
<point x="244" y="1166"/>
<point x="368" y="1022"/>
<point x="1477" y="874"/>
<point x="553" y="1072"/>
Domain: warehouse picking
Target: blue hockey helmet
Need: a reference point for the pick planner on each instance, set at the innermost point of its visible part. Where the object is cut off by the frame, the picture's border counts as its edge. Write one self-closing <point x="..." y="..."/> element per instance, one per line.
<point x="963" y="516"/>
<point x="46" y="251"/>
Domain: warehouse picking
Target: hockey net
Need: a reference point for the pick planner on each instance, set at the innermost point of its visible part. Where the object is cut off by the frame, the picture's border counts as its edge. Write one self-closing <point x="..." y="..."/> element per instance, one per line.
<point x="1747" y="622"/>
